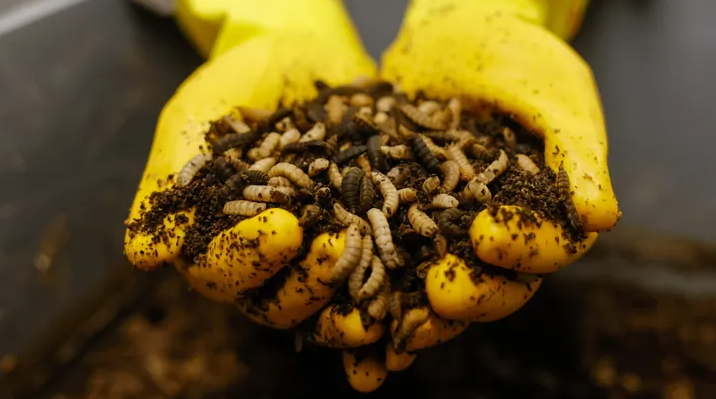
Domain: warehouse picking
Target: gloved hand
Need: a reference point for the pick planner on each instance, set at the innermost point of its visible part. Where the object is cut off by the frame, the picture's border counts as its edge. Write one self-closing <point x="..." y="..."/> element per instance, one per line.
<point x="504" y="54"/>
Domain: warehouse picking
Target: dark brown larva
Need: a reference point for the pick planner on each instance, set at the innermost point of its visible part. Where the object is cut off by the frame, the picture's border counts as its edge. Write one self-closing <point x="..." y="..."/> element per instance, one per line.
<point x="224" y="167"/>
<point x="234" y="140"/>
<point x="316" y="112"/>
<point x="441" y="245"/>
<point x="359" y="126"/>
<point x="422" y="152"/>
<point x="309" y="215"/>
<point x="241" y="179"/>
<point x="375" y="155"/>
<point x="367" y="193"/>
<point x="312" y="145"/>
<point x="565" y="189"/>
<point x="350" y="189"/>
<point x="447" y="223"/>
<point x="349" y="154"/>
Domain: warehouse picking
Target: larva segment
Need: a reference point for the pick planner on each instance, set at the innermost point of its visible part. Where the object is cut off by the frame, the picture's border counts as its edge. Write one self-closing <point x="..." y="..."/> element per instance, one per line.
<point x="378" y="306"/>
<point x="399" y="152"/>
<point x="454" y="153"/>
<point x="431" y="122"/>
<point x="244" y="208"/>
<point x="363" y="163"/>
<point x="385" y="104"/>
<point x="495" y="169"/>
<point x="435" y="149"/>
<point x="380" y="118"/>
<point x="237" y="125"/>
<point x="350" y="189"/>
<point x="435" y="330"/>
<point x="318" y="166"/>
<point x="290" y="136"/>
<point x="375" y="155"/>
<point x="444" y="201"/>
<point x="447" y="222"/>
<point x="335" y="108"/>
<point x="407" y="195"/>
<point x="335" y="176"/>
<point x="234" y="140"/>
<point x="350" y="257"/>
<point x="292" y="173"/>
<point x="284" y="124"/>
<point x="451" y="176"/>
<point x="375" y="281"/>
<point x="408" y="324"/>
<point x="191" y="168"/>
<point x="347" y="218"/>
<point x="383" y="238"/>
<point x="279" y="181"/>
<point x="316" y="133"/>
<point x="264" y="164"/>
<point x="429" y="107"/>
<point x="355" y="280"/>
<point x="389" y="192"/>
<point x="281" y="195"/>
<point x="367" y="193"/>
<point x="422" y="152"/>
<point x="266" y="148"/>
<point x="440" y="245"/>
<point x="421" y="222"/>
<point x="351" y="153"/>
<point x="361" y="100"/>
<point x="477" y="190"/>
<point x="431" y="184"/>
<point x="309" y="215"/>
<point x="509" y="136"/>
<point x="526" y="163"/>
<point x="455" y="108"/>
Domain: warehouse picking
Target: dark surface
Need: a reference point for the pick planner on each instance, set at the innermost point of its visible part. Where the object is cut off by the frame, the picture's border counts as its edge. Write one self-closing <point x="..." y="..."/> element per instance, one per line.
<point x="81" y="91"/>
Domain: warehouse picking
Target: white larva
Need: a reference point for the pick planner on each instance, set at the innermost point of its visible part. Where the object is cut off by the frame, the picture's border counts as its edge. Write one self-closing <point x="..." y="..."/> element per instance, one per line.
<point x="335" y="176"/>
<point x="526" y="163"/>
<point x="384" y="104"/>
<point x="266" y="148"/>
<point x="350" y="257"/>
<point x="375" y="281"/>
<point x="335" y="108"/>
<point x="380" y="118"/>
<point x="317" y="132"/>
<point x="363" y="163"/>
<point x="279" y="181"/>
<point x="244" y="208"/>
<point x="378" y="307"/>
<point x="285" y="124"/>
<point x="495" y="169"/>
<point x="429" y="107"/>
<point x="290" y="136"/>
<point x="365" y="112"/>
<point x="400" y="151"/>
<point x="478" y="190"/>
<point x="355" y="280"/>
<point x="291" y="172"/>
<point x="510" y="137"/>
<point x="421" y="222"/>
<point x="347" y="218"/>
<point x="394" y="173"/>
<point x="389" y="192"/>
<point x="383" y="238"/>
<point x="431" y="184"/>
<point x="454" y="153"/>
<point x="451" y="176"/>
<point x="317" y="166"/>
<point x="455" y="108"/>
<point x="259" y="193"/>
<point x="444" y="201"/>
<point x="263" y="165"/>
<point x="361" y="100"/>
<point x="237" y="125"/>
<point x="407" y="195"/>
<point x="191" y="168"/>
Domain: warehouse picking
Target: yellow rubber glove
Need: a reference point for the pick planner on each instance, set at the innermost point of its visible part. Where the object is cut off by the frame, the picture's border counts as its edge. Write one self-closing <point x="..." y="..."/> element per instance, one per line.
<point x="498" y="53"/>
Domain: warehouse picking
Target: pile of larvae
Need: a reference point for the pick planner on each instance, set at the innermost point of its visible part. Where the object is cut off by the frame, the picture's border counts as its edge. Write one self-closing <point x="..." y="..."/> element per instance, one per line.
<point x="406" y="177"/>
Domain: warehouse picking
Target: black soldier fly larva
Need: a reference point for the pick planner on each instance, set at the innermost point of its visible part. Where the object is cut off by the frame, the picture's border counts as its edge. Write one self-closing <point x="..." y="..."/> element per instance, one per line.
<point x="191" y="168"/>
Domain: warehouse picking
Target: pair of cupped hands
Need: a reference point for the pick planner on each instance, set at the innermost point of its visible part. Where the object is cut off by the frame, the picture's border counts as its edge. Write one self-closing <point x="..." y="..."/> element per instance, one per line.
<point x="510" y="56"/>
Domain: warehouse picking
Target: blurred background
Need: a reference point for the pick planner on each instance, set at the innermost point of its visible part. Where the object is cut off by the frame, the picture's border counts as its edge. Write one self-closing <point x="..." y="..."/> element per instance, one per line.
<point x="81" y="85"/>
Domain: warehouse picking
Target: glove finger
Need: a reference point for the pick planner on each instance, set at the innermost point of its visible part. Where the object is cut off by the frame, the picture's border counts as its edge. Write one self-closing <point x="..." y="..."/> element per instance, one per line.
<point x="150" y="249"/>
<point x="457" y="292"/>
<point x="397" y="361"/>
<point x="523" y="241"/>
<point x="364" y="368"/>
<point x="306" y="288"/>
<point x="519" y="69"/>
<point x="419" y="328"/>
<point x="338" y="328"/>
